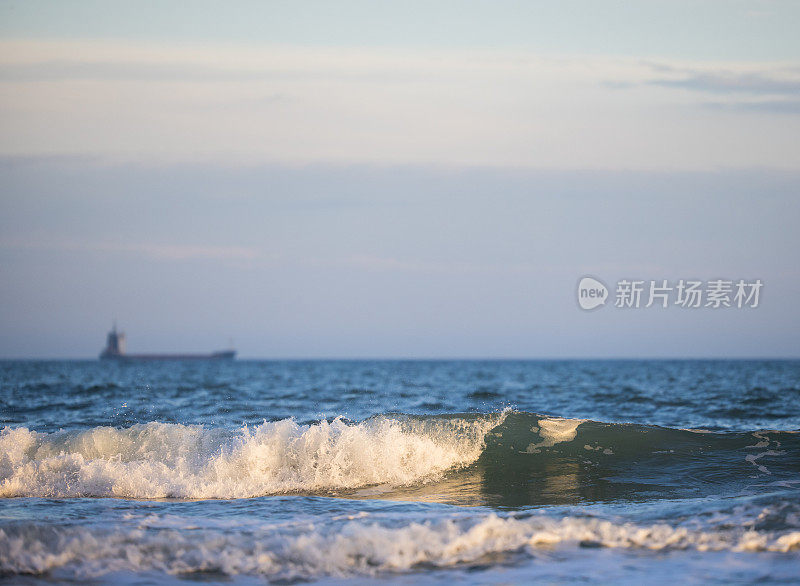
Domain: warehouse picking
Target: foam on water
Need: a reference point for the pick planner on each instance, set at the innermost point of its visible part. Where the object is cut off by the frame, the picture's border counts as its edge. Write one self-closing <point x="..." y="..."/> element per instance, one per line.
<point x="554" y="430"/>
<point x="160" y="460"/>
<point x="354" y="547"/>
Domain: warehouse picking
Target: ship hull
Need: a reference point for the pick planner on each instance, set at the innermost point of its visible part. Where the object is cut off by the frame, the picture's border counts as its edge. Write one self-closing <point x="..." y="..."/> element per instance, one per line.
<point x="223" y="355"/>
<point x="115" y="350"/>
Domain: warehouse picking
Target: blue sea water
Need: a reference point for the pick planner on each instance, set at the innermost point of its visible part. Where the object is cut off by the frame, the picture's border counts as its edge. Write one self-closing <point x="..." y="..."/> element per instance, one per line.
<point x="479" y="472"/>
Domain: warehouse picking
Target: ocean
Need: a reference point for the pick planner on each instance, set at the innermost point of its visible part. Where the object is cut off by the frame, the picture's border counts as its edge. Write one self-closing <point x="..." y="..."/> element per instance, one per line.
<point x="475" y="472"/>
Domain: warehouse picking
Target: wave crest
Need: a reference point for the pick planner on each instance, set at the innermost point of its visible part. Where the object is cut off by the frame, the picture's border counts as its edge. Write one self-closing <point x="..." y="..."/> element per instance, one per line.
<point x="161" y="460"/>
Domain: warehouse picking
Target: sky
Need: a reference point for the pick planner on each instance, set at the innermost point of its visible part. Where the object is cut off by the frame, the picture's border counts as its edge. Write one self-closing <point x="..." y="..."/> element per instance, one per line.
<point x="396" y="180"/>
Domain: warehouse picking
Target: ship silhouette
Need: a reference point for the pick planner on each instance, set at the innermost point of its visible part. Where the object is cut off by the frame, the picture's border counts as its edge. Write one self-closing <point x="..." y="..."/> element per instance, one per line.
<point x="115" y="350"/>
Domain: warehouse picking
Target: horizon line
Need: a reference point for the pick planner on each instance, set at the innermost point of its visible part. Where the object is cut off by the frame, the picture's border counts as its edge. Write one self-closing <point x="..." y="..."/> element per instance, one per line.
<point x="424" y="358"/>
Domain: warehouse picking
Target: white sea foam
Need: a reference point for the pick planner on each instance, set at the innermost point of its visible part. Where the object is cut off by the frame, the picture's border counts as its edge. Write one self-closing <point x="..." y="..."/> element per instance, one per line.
<point x="355" y="547"/>
<point x="555" y="430"/>
<point x="160" y="460"/>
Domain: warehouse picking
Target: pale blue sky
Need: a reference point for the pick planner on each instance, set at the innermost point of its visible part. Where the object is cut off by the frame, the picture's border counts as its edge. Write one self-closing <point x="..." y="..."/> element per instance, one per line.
<point x="689" y="29"/>
<point x="358" y="179"/>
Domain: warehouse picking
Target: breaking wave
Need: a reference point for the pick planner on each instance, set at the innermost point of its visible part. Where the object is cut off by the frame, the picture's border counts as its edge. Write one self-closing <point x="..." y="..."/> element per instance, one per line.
<point x="161" y="460"/>
<point x="522" y="458"/>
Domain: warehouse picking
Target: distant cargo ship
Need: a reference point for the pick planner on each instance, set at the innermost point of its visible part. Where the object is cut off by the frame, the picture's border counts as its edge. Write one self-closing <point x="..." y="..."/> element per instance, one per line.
<point x="115" y="350"/>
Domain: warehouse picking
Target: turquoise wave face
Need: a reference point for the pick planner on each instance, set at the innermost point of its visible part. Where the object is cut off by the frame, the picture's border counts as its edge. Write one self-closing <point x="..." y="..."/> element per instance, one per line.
<point x="535" y="460"/>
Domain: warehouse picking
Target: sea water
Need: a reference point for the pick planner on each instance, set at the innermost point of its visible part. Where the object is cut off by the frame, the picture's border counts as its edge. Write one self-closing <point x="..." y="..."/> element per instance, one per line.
<point x="405" y="471"/>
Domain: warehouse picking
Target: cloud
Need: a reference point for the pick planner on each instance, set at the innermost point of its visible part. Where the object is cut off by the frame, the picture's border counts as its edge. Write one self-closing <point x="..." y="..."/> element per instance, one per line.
<point x="182" y="252"/>
<point x="727" y="82"/>
<point x="765" y="106"/>
<point x="67" y="70"/>
<point x="618" y="84"/>
<point x="256" y="105"/>
<point x="166" y="252"/>
<point x="59" y="70"/>
<point x="763" y="88"/>
<point x="734" y="79"/>
<point x="388" y="264"/>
